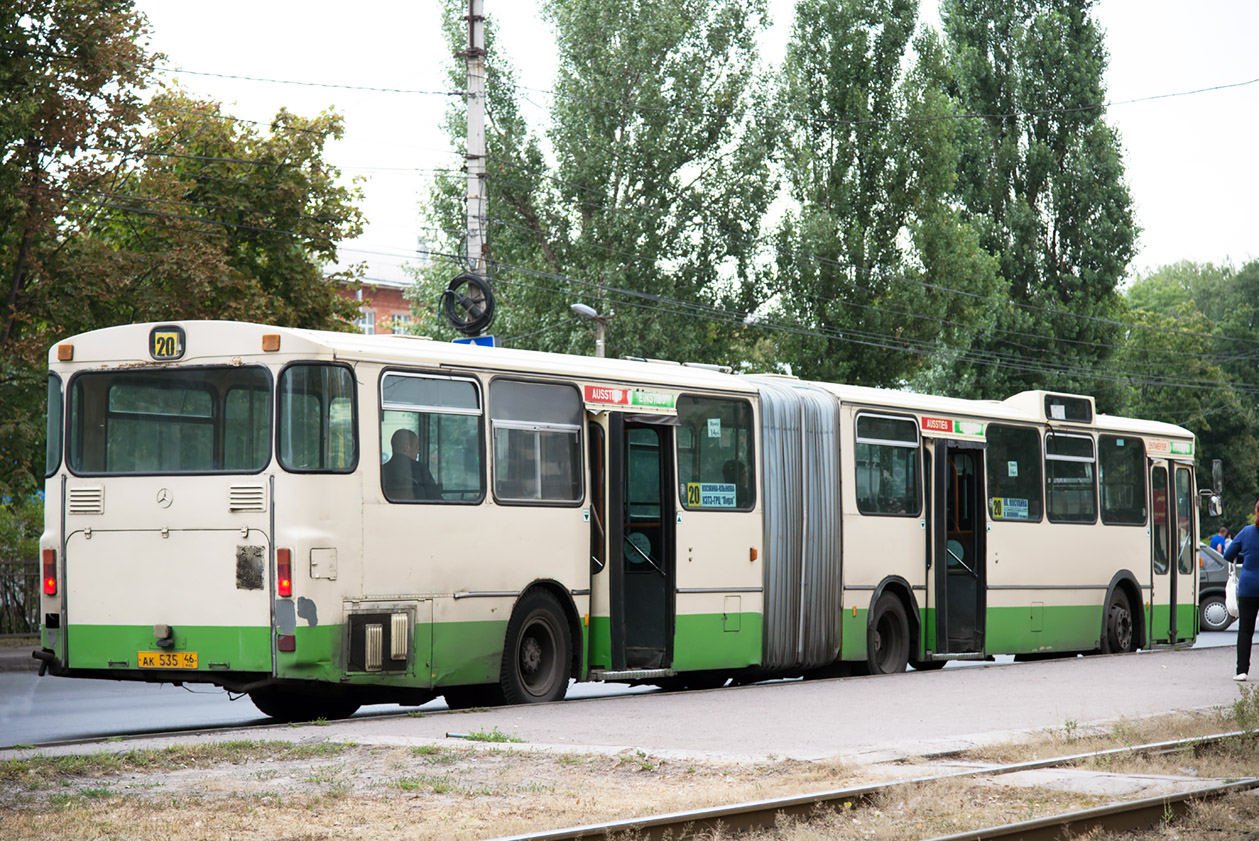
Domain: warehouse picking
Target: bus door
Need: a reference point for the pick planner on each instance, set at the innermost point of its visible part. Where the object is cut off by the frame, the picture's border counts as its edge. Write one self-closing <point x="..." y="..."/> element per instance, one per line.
<point x="1172" y="552"/>
<point x="640" y="549"/>
<point x="959" y="536"/>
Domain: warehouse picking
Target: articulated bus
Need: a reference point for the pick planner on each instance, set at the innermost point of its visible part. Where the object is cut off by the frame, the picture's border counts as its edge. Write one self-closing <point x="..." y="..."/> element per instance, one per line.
<point x="324" y="520"/>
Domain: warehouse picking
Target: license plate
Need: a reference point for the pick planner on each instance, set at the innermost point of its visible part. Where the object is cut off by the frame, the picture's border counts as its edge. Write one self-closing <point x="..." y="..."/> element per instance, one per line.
<point x="167" y="659"/>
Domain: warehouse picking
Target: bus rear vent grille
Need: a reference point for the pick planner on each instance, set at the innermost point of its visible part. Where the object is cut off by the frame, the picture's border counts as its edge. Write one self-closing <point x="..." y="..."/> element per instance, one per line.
<point x="87" y="500"/>
<point x="247" y="498"/>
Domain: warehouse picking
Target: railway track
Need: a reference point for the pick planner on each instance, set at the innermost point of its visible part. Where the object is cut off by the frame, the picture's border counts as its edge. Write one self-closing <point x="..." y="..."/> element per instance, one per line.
<point x="761" y="814"/>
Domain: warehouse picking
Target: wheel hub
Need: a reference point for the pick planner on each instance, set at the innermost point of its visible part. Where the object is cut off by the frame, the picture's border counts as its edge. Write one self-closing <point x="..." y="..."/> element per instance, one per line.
<point x="530" y="655"/>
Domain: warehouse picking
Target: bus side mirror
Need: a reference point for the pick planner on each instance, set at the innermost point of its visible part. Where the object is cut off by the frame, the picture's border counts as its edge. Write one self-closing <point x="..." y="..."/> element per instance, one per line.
<point x="1213" y="506"/>
<point x="1217" y="476"/>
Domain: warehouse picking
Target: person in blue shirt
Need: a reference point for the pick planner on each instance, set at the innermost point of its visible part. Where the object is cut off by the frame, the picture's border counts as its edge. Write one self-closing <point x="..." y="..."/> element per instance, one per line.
<point x="1246" y="544"/>
<point x="1218" y="540"/>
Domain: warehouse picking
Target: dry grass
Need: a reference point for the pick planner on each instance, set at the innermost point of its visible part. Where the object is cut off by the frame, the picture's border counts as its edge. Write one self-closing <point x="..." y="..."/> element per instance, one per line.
<point x="319" y="790"/>
<point x="428" y="792"/>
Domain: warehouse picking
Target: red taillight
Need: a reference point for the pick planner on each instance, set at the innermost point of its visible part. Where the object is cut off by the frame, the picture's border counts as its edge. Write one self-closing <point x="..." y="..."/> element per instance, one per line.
<point x="50" y="572"/>
<point x="284" y="572"/>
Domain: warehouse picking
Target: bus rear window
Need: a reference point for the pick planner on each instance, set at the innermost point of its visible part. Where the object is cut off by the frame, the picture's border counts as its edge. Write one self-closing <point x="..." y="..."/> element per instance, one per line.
<point x="198" y="420"/>
<point x="318" y="422"/>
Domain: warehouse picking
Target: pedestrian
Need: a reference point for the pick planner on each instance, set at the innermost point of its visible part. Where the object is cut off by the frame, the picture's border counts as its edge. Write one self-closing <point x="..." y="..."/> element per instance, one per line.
<point x="1246" y="544"/>
<point x="1217" y="540"/>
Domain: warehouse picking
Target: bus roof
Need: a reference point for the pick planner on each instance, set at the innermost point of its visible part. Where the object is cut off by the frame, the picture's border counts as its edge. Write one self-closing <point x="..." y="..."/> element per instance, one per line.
<point x="217" y="342"/>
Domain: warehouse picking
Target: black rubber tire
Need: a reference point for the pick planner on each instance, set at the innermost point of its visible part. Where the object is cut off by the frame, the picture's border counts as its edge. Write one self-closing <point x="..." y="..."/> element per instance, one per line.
<point x="289" y="704"/>
<point x="887" y="638"/>
<point x="1118" y="631"/>
<point x="538" y="656"/>
<point x="1213" y="615"/>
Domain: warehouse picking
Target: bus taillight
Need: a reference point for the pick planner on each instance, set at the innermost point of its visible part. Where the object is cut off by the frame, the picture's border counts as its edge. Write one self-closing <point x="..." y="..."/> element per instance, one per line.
<point x="50" y="572"/>
<point x="284" y="572"/>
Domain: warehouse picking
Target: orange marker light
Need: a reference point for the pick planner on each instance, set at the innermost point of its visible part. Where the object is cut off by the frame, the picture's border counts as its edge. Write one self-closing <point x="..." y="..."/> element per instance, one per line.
<point x="270" y="342"/>
<point x="50" y="572"/>
<point x="65" y="353"/>
<point x="284" y="572"/>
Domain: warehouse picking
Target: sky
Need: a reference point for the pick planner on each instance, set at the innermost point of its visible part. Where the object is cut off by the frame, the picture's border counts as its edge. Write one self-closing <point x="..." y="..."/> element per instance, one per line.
<point x="1191" y="160"/>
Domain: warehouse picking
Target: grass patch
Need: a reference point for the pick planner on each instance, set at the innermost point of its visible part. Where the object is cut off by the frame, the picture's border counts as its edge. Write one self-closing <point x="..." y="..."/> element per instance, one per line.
<point x="48" y="769"/>
<point x="491" y="735"/>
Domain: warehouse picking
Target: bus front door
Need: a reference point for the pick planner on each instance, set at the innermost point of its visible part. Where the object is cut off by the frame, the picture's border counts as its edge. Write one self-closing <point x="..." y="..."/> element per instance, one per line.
<point x="1173" y="550"/>
<point x="641" y="550"/>
<point x="960" y="571"/>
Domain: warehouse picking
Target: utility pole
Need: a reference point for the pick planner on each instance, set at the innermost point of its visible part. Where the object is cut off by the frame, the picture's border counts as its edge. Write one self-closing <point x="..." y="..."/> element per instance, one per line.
<point x="472" y="312"/>
<point x="477" y="213"/>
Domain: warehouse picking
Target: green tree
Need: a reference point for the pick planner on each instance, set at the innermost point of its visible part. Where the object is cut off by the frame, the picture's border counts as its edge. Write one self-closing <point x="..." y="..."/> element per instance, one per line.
<point x="1190" y="360"/>
<point x="870" y="155"/>
<point x="215" y="219"/>
<point x="111" y="211"/>
<point x="660" y="180"/>
<point x="1041" y="178"/>
<point x="71" y="71"/>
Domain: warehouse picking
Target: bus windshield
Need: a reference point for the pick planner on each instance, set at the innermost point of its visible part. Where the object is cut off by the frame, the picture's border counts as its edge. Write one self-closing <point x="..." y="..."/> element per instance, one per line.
<point x="187" y="420"/>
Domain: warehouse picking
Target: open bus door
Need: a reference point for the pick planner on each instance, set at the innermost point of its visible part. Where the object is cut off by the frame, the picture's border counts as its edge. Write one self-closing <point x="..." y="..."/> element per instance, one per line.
<point x="633" y="547"/>
<point x="1173" y="549"/>
<point x="960" y="576"/>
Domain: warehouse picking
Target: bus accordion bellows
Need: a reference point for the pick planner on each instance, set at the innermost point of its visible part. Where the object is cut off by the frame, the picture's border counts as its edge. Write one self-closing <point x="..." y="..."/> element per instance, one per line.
<point x="324" y="520"/>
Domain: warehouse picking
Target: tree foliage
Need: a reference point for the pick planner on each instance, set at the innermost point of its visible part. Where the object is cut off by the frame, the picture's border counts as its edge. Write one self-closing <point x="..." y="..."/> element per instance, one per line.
<point x="115" y="210"/>
<point x="1041" y="178"/>
<point x="658" y="183"/>
<point x="1189" y="358"/>
<point x="870" y="157"/>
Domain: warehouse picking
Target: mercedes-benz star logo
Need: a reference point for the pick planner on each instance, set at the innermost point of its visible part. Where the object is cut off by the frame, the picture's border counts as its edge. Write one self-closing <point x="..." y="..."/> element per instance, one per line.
<point x="165" y="498"/>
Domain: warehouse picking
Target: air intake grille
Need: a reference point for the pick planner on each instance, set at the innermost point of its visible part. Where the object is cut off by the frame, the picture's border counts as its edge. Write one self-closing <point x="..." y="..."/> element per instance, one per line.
<point x="247" y="498"/>
<point x="87" y="500"/>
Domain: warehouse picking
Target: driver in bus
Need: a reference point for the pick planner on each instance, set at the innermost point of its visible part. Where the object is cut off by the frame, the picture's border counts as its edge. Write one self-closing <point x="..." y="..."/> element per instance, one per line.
<point x="403" y="476"/>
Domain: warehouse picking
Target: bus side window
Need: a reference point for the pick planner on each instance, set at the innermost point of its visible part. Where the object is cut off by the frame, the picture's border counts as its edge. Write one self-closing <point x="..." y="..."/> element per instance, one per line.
<point x="715" y="453"/>
<point x="317" y="419"/>
<point x="537" y="441"/>
<point x="430" y="438"/>
<point x="885" y="457"/>
<point x="1014" y="473"/>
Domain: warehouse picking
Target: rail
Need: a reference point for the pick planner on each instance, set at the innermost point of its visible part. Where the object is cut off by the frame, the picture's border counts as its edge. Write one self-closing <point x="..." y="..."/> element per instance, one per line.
<point x="761" y="814"/>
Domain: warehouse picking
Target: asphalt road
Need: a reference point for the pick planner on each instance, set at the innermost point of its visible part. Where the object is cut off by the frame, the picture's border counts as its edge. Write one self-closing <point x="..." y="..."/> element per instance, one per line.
<point x="37" y="710"/>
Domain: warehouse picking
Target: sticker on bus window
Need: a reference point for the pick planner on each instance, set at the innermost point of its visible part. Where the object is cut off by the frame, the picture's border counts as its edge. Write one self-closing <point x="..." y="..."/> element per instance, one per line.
<point x="710" y="495"/>
<point x="1009" y="508"/>
<point x="1012" y="469"/>
<point x="714" y="427"/>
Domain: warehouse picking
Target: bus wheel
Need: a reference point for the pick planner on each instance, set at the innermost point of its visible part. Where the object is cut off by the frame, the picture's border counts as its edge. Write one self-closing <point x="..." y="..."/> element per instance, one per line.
<point x="284" y="704"/>
<point x="887" y="640"/>
<point x="1117" y="636"/>
<point x="539" y="651"/>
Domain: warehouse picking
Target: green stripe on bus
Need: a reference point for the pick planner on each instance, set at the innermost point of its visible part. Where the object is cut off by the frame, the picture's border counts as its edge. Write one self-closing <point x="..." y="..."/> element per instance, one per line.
<point x="237" y="649"/>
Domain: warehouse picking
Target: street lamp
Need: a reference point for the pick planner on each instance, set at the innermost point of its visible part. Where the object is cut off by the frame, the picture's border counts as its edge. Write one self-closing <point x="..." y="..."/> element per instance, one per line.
<point x="601" y="324"/>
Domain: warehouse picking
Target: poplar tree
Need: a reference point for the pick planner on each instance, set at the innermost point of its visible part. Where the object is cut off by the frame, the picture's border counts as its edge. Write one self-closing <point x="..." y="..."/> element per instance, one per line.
<point x="871" y="249"/>
<point x="1041" y="178"/>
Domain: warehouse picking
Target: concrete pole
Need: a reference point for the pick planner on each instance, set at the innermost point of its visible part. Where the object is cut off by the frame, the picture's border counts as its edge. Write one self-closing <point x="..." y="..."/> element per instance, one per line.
<point x="477" y="210"/>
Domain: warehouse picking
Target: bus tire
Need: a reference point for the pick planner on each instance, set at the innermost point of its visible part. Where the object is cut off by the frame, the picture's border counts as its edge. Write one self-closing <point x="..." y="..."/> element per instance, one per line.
<point x="538" y="653"/>
<point x="286" y="704"/>
<point x="887" y="638"/>
<point x="1118" y="631"/>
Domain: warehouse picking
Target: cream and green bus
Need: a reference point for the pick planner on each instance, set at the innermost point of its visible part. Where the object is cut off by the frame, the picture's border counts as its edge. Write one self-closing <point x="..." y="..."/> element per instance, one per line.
<point x="325" y="520"/>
